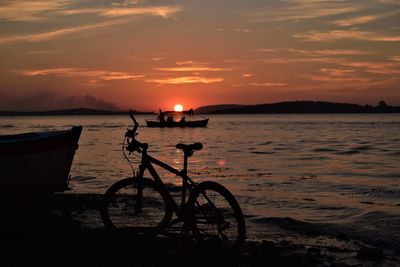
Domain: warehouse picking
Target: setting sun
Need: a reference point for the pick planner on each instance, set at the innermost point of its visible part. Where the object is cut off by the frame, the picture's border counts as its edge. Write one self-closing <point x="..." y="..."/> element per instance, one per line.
<point x="178" y="108"/>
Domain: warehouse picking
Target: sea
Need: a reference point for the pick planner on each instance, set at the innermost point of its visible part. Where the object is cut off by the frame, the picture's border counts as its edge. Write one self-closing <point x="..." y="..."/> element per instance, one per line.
<point x="332" y="177"/>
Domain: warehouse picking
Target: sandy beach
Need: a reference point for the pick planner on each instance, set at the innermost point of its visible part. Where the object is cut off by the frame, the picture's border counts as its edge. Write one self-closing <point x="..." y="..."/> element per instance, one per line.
<point x="68" y="234"/>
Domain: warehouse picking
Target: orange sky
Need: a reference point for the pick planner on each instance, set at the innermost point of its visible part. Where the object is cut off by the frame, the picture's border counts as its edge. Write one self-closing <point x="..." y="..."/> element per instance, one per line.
<point x="150" y="54"/>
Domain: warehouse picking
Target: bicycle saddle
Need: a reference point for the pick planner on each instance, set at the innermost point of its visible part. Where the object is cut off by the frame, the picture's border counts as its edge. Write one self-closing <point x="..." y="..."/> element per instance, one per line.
<point x="189" y="148"/>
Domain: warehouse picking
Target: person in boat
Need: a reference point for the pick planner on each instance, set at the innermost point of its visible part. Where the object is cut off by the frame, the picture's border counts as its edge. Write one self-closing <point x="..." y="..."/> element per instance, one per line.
<point x="183" y="120"/>
<point x="169" y="120"/>
<point x="161" y="118"/>
<point x="191" y="112"/>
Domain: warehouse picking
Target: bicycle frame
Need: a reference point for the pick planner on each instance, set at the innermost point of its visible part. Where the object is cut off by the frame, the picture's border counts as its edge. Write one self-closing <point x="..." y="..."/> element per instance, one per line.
<point x="146" y="163"/>
<point x="199" y="210"/>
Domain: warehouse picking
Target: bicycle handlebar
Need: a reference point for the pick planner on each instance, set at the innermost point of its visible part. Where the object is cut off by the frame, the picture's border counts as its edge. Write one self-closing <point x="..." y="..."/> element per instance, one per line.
<point x="134" y="144"/>
<point x="136" y="124"/>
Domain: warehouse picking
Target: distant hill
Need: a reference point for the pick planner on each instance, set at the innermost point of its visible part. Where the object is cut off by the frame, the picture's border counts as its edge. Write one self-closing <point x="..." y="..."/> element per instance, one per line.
<point x="309" y="107"/>
<point x="295" y="107"/>
<point x="71" y="112"/>
<point x="213" y="108"/>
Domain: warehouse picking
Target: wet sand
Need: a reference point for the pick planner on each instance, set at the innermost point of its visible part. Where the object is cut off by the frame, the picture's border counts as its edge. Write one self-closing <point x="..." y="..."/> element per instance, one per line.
<point x="64" y="235"/>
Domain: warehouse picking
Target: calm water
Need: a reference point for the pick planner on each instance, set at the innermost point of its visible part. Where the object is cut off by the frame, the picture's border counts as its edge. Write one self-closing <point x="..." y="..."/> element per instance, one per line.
<point x="338" y="172"/>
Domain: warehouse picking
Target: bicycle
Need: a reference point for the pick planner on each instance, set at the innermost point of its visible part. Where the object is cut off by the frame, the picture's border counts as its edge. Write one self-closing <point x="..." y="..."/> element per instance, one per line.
<point x="145" y="206"/>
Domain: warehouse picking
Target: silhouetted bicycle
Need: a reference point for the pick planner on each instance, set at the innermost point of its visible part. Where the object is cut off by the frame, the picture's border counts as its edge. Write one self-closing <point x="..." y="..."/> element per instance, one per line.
<point x="145" y="207"/>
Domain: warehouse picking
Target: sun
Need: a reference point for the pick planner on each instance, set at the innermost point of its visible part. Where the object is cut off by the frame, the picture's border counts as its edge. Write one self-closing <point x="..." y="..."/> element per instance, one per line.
<point x="178" y="108"/>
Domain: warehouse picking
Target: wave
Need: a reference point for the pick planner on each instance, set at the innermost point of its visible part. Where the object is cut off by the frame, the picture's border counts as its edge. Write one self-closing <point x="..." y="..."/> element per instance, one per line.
<point x="83" y="178"/>
<point x="381" y="192"/>
<point x="7" y="126"/>
<point x="324" y="150"/>
<point x="263" y="152"/>
<point x="375" y="228"/>
<point x="362" y="148"/>
<point x="314" y="158"/>
<point x="354" y="150"/>
<point x="348" y="152"/>
<point x="265" y="143"/>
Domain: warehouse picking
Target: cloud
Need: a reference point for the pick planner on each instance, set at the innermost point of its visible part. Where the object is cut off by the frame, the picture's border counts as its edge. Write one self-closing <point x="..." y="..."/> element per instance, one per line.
<point x="126" y="3"/>
<point x="337" y="72"/>
<point x="268" y="50"/>
<point x="325" y="52"/>
<point x="391" y="67"/>
<point x="299" y="60"/>
<point x="163" y="11"/>
<point x="186" y="62"/>
<point x="318" y="36"/>
<point x="306" y="2"/>
<point x="191" y="66"/>
<point x="334" y="52"/>
<point x="304" y="10"/>
<point x="79" y="73"/>
<point x="30" y="10"/>
<point x="157" y="58"/>
<point x="242" y="30"/>
<point x="111" y="12"/>
<point x="186" y="80"/>
<point x="395" y="58"/>
<point x="50" y="35"/>
<point x="39" y="10"/>
<point x="329" y="52"/>
<point x="338" y="76"/>
<point x="191" y="69"/>
<point x="86" y="101"/>
<point x="268" y="84"/>
<point x="384" y="68"/>
<point x="330" y="79"/>
<point x="119" y="76"/>
<point x="362" y="19"/>
<point x="43" y="52"/>
<point x="355" y="20"/>
<point x="390" y="2"/>
<point x="245" y="30"/>
<point x="33" y="11"/>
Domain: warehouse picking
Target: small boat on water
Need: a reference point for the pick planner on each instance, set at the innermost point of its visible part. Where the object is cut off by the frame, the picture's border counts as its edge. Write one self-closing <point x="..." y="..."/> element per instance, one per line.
<point x="37" y="162"/>
<point x="176" y="119"/>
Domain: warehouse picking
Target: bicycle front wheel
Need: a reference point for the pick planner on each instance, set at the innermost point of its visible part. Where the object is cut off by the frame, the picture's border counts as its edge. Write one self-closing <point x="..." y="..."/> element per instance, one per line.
<point x="144" y="214"/>
<point x="216" y="218"/>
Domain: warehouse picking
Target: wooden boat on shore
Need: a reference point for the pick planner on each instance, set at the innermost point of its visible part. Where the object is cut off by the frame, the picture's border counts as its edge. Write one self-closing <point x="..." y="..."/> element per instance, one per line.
<point x="38" y="162"/>
<point x="176" y="119"/>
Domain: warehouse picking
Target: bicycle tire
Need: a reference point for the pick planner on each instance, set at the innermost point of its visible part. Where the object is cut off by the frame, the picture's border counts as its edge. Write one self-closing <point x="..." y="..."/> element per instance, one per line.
<point x="216" y="218"/>
<point x="119" y="211"/>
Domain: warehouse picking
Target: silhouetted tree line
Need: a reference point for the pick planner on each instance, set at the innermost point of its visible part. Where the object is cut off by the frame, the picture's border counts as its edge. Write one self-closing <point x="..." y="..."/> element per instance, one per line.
<point x="78" y="111"/>
<point x="307" y="107"/>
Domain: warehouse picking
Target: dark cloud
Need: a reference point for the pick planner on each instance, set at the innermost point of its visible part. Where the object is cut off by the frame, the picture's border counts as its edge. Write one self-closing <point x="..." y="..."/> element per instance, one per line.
<point x="46" y="100"/>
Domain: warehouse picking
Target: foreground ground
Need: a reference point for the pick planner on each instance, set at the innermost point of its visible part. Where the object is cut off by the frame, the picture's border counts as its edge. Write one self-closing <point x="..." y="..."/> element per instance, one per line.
<point x="63" y="237"/>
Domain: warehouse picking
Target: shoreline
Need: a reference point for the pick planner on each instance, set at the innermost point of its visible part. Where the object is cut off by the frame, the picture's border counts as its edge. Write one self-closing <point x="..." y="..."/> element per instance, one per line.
<point x="64" y="237"/>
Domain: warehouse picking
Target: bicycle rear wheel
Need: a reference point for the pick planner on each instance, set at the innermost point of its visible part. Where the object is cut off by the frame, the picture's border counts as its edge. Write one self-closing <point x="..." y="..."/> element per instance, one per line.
<point x="216" y="218"/>
<point x="121" y="210"/>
